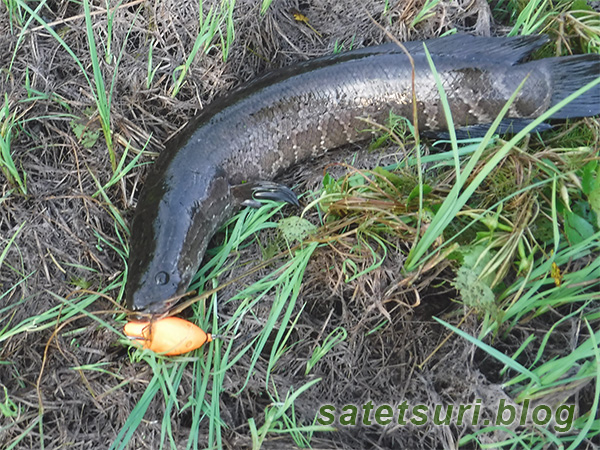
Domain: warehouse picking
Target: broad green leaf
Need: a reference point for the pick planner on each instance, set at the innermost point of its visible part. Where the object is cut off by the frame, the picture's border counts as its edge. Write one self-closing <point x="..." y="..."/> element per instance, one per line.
<point x="577" y="228"/>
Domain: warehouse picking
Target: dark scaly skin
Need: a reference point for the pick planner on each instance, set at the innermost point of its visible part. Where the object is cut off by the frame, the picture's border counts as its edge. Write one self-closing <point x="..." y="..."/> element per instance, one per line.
<point x="282" y="119"/>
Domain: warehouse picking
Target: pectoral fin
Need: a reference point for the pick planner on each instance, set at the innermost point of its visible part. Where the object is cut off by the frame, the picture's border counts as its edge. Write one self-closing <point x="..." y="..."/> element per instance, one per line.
<point x="251" y="193"/>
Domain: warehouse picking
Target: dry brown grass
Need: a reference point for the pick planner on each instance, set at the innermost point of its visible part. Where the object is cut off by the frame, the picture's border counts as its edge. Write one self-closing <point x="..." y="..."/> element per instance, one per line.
<point x="59" y="242"/>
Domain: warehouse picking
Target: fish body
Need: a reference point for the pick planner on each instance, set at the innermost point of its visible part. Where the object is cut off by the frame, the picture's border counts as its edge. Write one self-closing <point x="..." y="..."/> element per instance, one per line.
<point x="281" y="119"/>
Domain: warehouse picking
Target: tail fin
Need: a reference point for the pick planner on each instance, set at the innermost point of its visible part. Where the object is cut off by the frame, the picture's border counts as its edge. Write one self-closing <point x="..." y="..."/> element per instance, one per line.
<point x="570" y="73"/>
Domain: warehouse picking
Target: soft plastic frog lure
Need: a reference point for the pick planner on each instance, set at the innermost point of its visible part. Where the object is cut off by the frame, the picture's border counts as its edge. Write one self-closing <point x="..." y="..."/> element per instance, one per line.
<point x="169" y="336"/>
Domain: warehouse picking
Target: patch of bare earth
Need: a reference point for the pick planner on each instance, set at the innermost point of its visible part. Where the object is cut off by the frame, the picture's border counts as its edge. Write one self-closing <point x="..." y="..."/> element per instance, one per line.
<point x="68" y="236"/>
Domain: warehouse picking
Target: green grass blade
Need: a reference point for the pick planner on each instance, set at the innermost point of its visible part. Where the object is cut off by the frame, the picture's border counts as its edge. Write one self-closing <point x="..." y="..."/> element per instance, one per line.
<point x="506" y="360"/>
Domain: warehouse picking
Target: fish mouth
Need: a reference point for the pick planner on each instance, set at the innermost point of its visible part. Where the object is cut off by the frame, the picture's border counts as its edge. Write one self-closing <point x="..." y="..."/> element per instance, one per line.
<point x="145" y="298"/>
<point x="152" y="310"/>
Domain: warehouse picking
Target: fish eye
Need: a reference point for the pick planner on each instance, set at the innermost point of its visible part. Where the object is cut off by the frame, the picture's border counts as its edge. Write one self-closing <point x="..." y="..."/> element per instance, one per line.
<point x="162" y="278"/>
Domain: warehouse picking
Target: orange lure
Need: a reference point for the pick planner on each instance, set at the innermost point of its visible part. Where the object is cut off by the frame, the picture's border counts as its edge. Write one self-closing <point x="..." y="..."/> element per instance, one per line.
<point x="169" y="336"/>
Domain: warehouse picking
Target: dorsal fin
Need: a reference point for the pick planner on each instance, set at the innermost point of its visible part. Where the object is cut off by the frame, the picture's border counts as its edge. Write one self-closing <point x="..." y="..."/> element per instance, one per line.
<point x="503" y="49"/>
<point x="509" y="50"/>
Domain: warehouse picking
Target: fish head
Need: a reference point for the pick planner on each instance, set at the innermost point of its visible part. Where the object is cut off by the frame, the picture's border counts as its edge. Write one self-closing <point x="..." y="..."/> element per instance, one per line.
<point x="156" y="288"/>
<point x="173" y="223"/>
<point x="161" y="257"/>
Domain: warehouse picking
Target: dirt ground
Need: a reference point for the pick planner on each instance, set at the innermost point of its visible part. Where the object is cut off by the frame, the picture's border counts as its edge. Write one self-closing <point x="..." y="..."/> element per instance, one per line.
<point x="68" y="237"/>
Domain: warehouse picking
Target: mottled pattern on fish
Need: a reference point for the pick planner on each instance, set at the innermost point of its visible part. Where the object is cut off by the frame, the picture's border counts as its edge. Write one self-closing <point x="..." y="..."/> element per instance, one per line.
<point x="281" y="119"/>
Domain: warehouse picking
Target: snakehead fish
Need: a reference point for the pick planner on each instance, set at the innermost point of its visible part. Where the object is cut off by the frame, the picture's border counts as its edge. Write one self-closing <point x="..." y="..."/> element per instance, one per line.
<point x="226" y="155"/>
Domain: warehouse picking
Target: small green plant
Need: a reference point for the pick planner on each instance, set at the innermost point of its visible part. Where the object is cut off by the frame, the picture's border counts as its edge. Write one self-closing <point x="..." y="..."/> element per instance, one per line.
<point x="532" y="17"/>
<point x="15" y="14"/>
<point x="8" y="127"/>
<point x="210" y="26"/>
<point x="590" y="186"/>
<point x="87" y="137"/>
<point x="8" y="408"/>
<point x="586" y="23"/>
<point x="335" y="337"/>
<point x="426" y="12"/>
<point x="151" y="71"/>
<point x="264" y="6"/>
<point x="295" y="229"/>
<point x="278" y="421"/>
